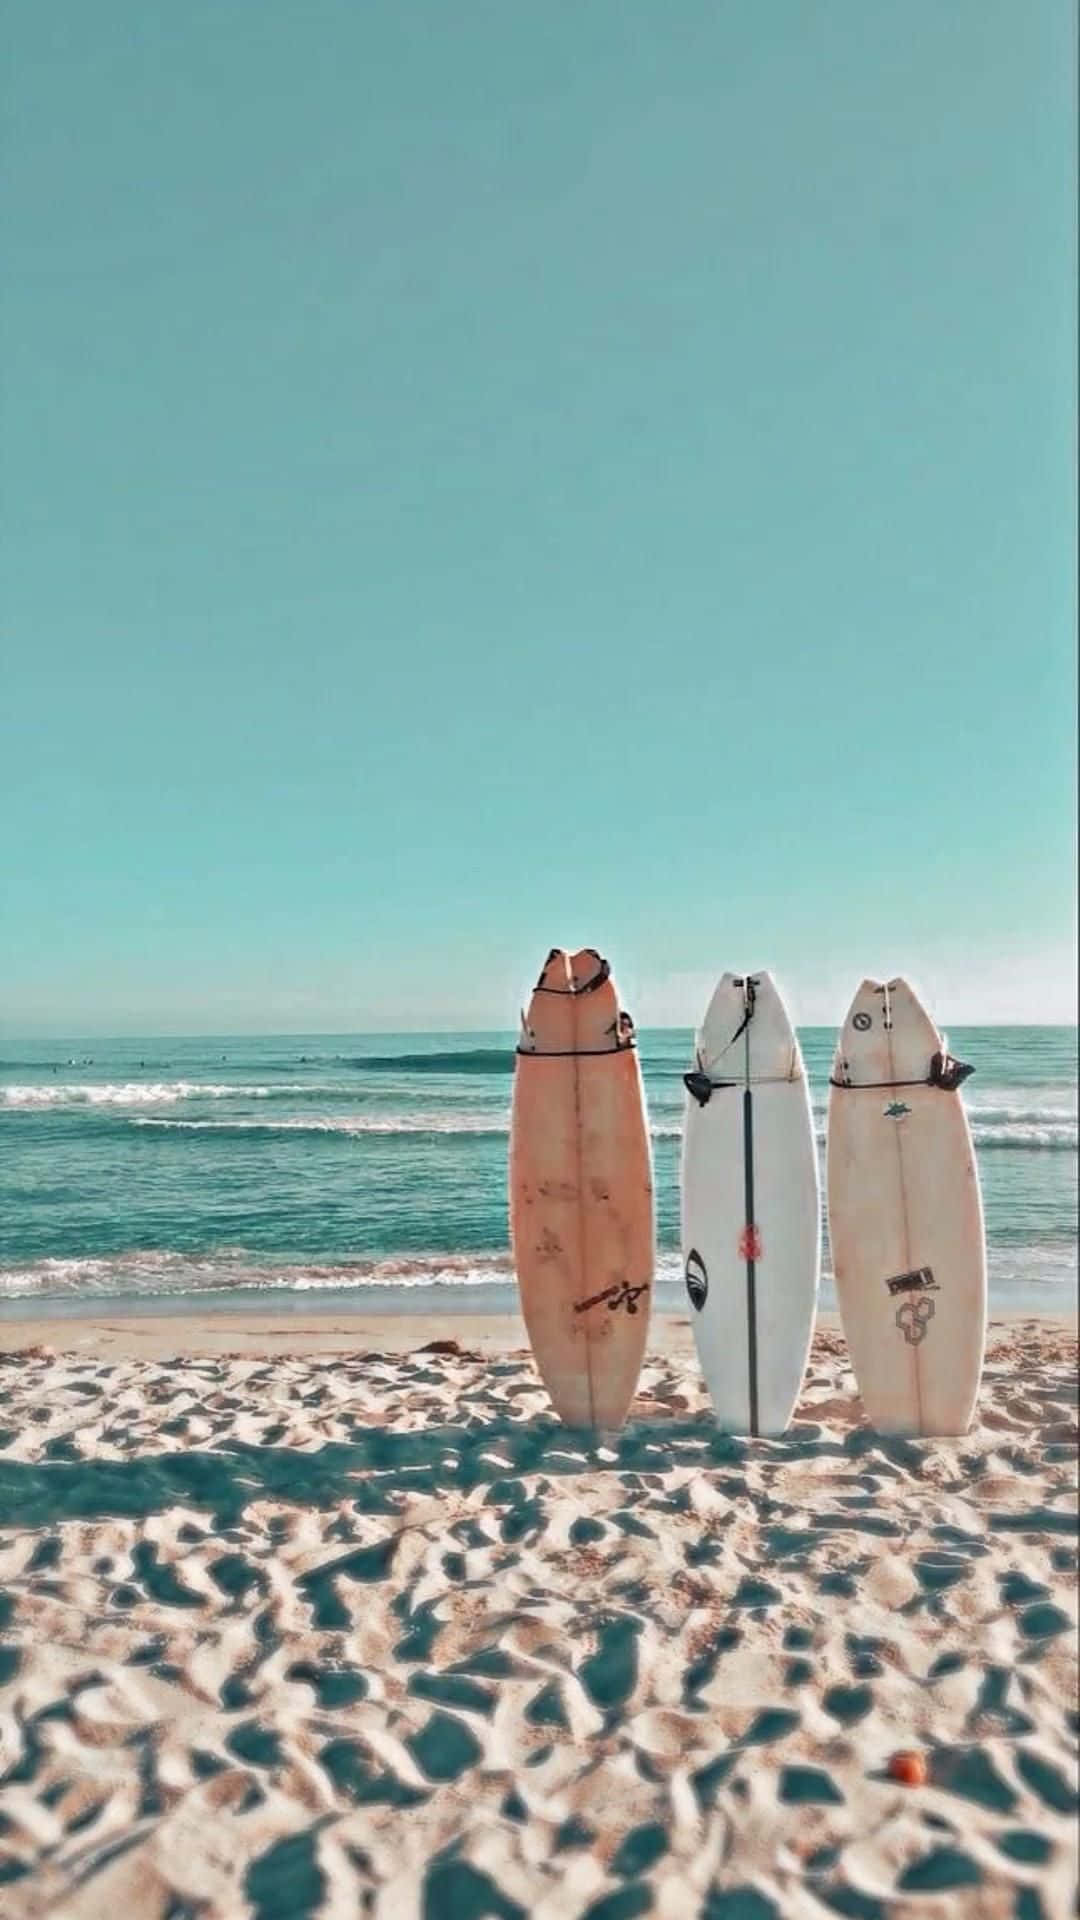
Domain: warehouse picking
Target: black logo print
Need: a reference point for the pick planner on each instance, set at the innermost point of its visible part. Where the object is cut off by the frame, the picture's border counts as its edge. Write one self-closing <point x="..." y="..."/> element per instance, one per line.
<point x="861" y="1022"/>
<point x="913" y="1318"/>
<point x="620" y="1294"/>
<point x="697" y="1279"/>
<point x="919" y="1280"/>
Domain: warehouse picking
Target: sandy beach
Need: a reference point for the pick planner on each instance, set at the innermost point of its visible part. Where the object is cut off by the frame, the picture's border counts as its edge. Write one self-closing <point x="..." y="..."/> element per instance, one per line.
<point x="313" y="1616"/>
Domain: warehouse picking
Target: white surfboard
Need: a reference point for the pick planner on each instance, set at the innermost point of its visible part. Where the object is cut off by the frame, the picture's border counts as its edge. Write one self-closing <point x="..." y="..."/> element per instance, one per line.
<point x="751" y="1221"/>
<point x="905" y="1216"/>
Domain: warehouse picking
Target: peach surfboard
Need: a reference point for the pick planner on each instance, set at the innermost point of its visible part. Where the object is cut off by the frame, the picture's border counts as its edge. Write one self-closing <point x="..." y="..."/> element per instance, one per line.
<point x="905" y="1216"/>
<point x="581" y="1191"/>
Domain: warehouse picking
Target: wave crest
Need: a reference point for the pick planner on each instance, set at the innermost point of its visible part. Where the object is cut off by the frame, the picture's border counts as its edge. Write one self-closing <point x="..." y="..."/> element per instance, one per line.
<point x="392" y="1124"/>
<point x="149" y="1093"/>
<point x="157" y="1273"/>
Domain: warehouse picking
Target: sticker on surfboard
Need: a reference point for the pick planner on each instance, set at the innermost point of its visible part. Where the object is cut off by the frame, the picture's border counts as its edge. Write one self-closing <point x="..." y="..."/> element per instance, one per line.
<point x="697" y="1279"/>
<point x="919" y="1280"/>
<point x="620" y="1294"/>
<point x="915" y="1312"/>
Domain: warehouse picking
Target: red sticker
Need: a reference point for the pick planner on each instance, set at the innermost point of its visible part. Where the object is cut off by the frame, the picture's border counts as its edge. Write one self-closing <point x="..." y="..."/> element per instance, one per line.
<point x="750" y="1244"/>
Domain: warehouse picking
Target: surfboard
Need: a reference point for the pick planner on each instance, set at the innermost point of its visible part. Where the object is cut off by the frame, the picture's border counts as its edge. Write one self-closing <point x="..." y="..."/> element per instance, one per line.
<point x="581" y="1191"/>
<point x="905" y="1215"/>
<point x="751" y="1214"/>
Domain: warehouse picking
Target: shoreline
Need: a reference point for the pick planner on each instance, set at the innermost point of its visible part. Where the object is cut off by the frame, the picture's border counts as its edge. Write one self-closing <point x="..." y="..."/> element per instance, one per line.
<point x="157" y="1335"/>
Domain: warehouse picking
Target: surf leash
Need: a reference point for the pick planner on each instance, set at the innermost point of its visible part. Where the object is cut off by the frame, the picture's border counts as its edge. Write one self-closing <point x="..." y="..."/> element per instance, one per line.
<point x="749" y="986"/>
<point x="577" y="1053"/>
<point x="945" y="1073"/>
<point x="702" y="1087"/>
<point x="595" y="980"/>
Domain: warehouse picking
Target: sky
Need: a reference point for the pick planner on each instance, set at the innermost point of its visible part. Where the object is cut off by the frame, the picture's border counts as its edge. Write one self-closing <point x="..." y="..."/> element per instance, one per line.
<point x="484" y="477"/>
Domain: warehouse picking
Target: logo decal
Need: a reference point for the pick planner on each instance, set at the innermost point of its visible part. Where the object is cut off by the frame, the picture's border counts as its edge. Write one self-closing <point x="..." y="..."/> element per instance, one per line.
<point x="750" y="1243"/>
<point x="896" y="1110"/>
<point x="862" y="1022"/>
<point x="620" y="1294"/>
<point x="913" y="1318"/>
<point x="697" y="1279"/>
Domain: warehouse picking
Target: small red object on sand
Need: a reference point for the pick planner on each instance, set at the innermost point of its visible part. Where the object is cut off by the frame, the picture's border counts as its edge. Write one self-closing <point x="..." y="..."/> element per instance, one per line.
<point x="909" y="1769"/>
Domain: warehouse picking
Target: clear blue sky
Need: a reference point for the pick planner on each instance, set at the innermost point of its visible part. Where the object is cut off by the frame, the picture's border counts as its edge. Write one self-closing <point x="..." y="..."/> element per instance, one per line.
<point x="478" y="476"/>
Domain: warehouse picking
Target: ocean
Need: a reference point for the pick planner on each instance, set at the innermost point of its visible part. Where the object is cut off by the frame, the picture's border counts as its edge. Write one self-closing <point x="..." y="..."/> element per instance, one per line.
<point x="370" y="1171"/>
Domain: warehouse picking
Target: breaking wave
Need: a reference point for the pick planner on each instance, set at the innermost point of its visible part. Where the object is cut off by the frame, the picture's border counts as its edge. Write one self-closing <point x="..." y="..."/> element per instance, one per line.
<point x="155" y="1273"/>
<point x="1035" y="1129"/>
<point x="148" y="1093"/>
<point x="346" y="1123"/>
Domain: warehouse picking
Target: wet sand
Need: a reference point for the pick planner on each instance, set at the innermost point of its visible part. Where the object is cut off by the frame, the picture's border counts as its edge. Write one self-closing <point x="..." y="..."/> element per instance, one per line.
<point x="298" y="1619"/>
<point x="159" y="1336"/>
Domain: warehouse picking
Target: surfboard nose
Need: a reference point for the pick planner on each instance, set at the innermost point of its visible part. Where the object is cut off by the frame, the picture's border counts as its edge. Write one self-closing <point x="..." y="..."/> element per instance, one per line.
<point x="727" y="1017"/>
<point x="722" y="1015"/>
<point x="866" y="1006"/>
<point x="747" y="1028"/>
<point x="588" y="969"/>
<point x="869" y="1049"/>
<point x="555" y="973"/>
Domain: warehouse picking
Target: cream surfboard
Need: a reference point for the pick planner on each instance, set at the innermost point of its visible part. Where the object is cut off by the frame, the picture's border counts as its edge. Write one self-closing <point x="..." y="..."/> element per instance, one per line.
<point x="751" y="1214"/>
<point x="581" y="1193"/>
<point x="905" y="1216"/>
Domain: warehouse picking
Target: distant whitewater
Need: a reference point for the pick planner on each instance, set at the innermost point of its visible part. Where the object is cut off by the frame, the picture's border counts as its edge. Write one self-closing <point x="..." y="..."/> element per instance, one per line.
<point x="150" y="1172"/>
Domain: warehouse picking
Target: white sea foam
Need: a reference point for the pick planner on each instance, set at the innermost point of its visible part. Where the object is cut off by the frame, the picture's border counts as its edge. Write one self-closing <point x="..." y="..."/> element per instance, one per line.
<point x="144" y="1271"/>
<point x="1030" y="1275"/>
<point x="1051" y="1129"/>
<point x="347" y="1123"/>
<point x="1011" y="1111"/>
<point x="157" y="1272"/>
<point x="1059" y="1136"/>
<point x="996" y="1123"/>
<point x="142" y="1093"/>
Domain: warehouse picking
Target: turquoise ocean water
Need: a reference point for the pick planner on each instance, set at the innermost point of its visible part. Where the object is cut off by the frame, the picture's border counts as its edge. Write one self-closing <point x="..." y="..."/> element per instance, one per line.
<point x="371" y="1171"/>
